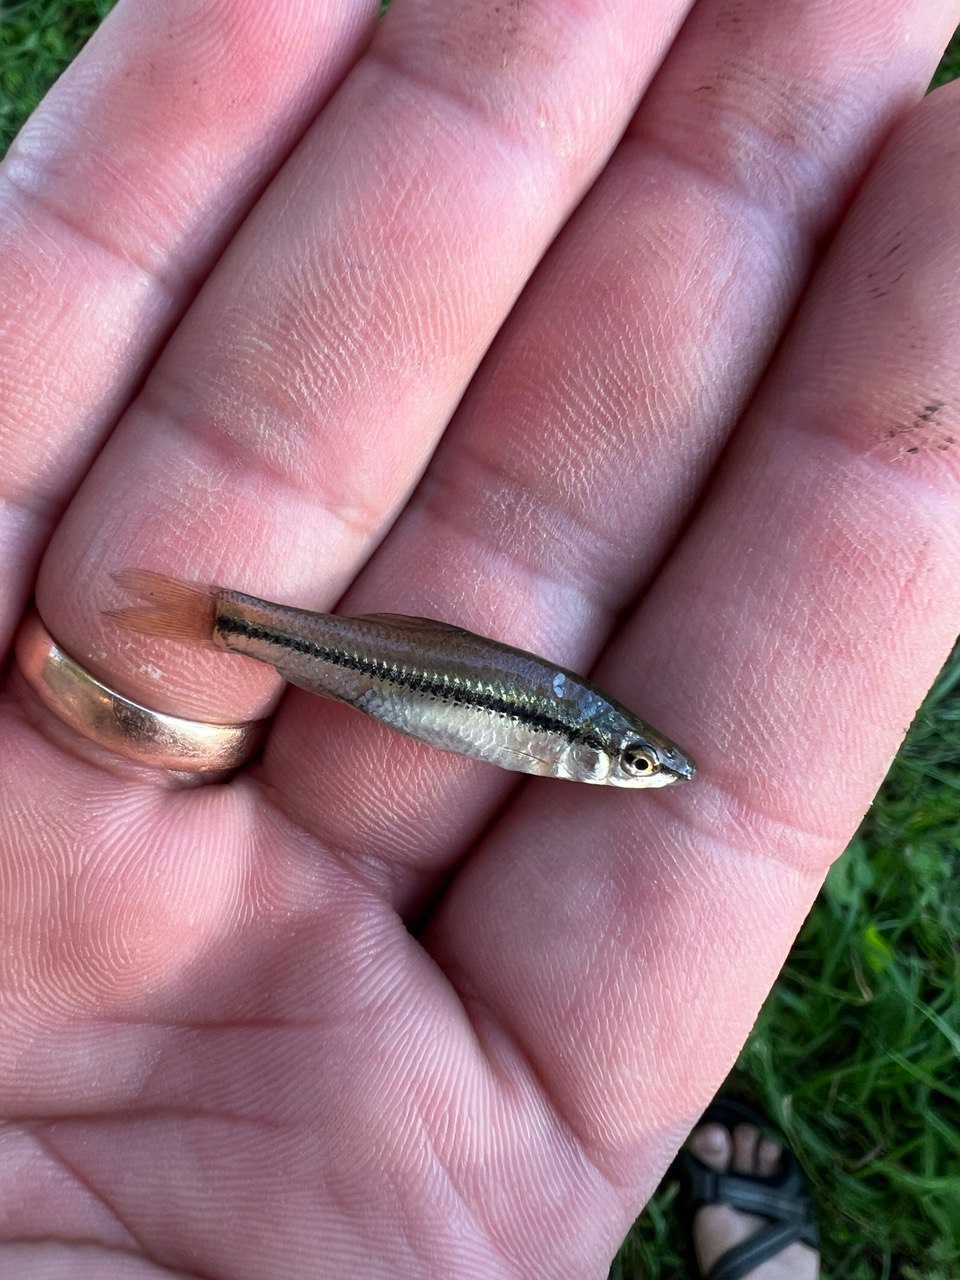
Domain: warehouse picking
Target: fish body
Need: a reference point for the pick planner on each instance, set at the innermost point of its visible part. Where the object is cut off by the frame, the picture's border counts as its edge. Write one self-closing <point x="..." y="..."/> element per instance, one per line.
<point x="445" y="686"/>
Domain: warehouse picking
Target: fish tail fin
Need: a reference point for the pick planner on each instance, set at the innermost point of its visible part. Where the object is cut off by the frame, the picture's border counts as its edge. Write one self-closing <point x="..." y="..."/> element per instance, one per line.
<point x="184" y="611"/>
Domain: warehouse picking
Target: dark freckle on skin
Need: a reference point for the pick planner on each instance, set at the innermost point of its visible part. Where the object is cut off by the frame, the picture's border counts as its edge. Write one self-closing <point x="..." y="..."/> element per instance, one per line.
<point x="930" y="411"/>
<point x="730" y="19"/>
<point x="920" y="427"/>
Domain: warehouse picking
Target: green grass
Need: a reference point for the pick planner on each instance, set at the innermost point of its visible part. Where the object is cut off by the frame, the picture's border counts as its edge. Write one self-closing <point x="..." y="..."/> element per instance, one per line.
<point x="37" y="40"/>
<point x="855" y="1052"/>
<point x="949" y="68"/>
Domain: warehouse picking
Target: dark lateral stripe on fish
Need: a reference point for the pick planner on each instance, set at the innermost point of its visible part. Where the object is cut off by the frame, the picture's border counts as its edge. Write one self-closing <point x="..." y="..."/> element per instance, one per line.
<point x="416" y="682"/>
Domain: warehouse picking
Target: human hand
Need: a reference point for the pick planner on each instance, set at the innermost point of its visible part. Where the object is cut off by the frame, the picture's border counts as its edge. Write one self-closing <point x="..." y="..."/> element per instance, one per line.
<point x="222" y="1049"/>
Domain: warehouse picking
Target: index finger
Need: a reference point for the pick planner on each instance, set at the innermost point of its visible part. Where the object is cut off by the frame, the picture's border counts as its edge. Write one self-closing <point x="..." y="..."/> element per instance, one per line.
<point x="115" y="200"/>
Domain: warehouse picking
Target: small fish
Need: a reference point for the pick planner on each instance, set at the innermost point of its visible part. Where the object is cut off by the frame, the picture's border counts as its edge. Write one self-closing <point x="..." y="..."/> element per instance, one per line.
<point x="445" y="686"/>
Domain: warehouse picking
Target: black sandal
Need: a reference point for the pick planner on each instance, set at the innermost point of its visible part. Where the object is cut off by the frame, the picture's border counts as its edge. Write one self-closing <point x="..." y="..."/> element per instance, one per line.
<point x="783" y="1198"/>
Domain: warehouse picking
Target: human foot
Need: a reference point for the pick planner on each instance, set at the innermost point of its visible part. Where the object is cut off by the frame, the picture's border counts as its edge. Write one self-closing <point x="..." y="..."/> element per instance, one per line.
<point x="719" y="1227"/>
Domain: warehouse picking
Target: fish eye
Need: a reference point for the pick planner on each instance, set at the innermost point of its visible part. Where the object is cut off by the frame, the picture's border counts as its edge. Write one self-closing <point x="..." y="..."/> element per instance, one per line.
<point x="637" y="761"/>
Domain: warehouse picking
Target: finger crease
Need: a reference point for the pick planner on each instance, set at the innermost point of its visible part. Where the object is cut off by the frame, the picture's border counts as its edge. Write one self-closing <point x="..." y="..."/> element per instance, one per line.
<point x="368" y="872"/>
<point x="384" y="61"/>
<point x="122" y="1115"/>
<point x="172" y="291"/>
<point x="764" y="835"/>
<point x="471" y="1002"/>
<point x="783" y="222"/>
<point x="96" y="1248"/>
<point x="585" y="570"/>
<point x="363" y="520"/>
<point x="44" y="1142"/>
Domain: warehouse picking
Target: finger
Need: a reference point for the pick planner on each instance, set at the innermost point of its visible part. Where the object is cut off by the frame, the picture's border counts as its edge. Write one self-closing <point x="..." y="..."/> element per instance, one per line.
<point x="585" y="438"/>
<point x="626" y="942"/>
<point x="114" y="202"/>
<point x="295" y="408"/>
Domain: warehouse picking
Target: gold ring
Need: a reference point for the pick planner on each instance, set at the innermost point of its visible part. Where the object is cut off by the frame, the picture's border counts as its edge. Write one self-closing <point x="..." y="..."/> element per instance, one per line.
<point x="121" y="725"/>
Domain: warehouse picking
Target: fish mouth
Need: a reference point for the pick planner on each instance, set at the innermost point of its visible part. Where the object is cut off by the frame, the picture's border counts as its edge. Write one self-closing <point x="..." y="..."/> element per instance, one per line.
<point x="680" y="767"/>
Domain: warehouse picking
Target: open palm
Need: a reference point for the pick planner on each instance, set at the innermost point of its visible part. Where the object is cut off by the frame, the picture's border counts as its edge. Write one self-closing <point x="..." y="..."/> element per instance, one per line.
<point x="368" y="1009"/>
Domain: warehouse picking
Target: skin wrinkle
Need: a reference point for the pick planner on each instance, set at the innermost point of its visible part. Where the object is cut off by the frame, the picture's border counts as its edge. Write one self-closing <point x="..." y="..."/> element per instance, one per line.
<point x="435" y="503"/>
<point x="26" y="274"/>
<point x="745" y="197"/>
<point x="31" y="393"/>
<point x="509" y="77"/>
<point x="576" y="1090"/>
<point x="359" y="517"/>
<point x="367" y="870"/>
<point x="49" y="1148"/>
<point x="766" y="161"/>
<point x="104" y="969"/>
<point x="379" y="854"/>
<point x="597" y="1158"/>
<point x="275" y="440"/>
<point x="410" y="1225"/>
<point x="769" y="833"/>
<point x="861" y="444"/>
<point x="124" y="1115"/>
<point x="476" y="1013"/>
<point x="146" y="1270"/>
<point x="28" y="173"/>
<point x="456" y="97"/>
<point x="436" y="498"/>
<point x="172" y="288"/>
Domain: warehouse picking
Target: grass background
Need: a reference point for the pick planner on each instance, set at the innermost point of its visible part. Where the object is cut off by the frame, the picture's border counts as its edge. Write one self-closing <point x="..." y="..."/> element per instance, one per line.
<point x="855" y="1054"/>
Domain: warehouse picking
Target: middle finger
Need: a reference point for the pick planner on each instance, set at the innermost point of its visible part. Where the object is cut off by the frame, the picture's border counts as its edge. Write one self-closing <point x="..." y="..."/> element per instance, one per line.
<point x="297" y="403"/>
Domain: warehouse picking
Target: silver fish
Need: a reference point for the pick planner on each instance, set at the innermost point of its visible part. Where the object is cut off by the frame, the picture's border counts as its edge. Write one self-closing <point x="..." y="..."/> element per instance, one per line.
<point x="433" y="681"/>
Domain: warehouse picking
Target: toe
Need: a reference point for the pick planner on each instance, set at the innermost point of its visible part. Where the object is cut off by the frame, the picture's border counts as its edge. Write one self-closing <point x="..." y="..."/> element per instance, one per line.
<point x="745" y="1138"/>
<point x="711" y="1143"/>
<point x="768" y="1157"/>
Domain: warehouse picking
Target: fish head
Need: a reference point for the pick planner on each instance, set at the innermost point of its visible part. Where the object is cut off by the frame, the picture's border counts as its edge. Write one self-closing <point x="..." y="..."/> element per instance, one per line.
<point x="630" y="754"/>
<point x="644" y="758"/>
